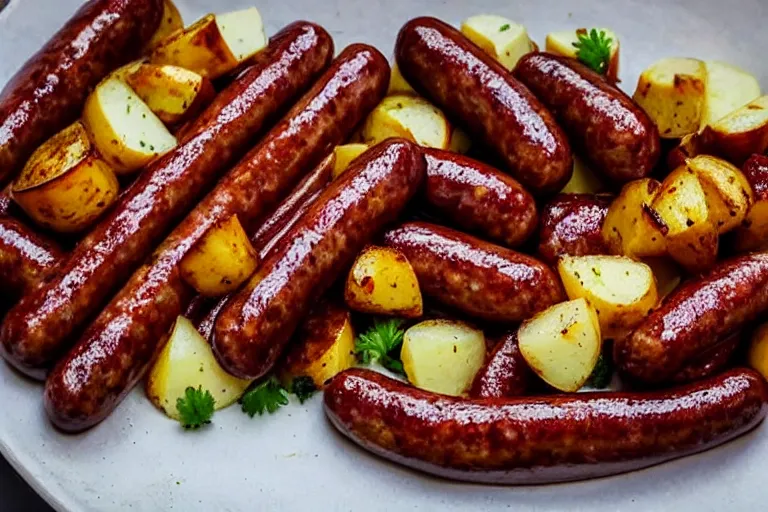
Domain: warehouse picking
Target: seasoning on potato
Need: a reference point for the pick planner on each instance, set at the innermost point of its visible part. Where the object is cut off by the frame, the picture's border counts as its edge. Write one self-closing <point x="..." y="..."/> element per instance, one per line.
<point x="629" y="228"/>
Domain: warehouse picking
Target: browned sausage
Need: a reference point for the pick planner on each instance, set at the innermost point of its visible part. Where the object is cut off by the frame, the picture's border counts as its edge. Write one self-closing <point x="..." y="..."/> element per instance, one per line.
<point x="751" y="237"/>
<point x="505" y="374"/>
<point x="477" y="90"/>
<point x="615" y="135"/>
<point x="572" y="224"/>
<point x="536" y="440"/>
<point x="41" y="327"/>
<point x="49" y="91"/>
<point x="709" y="362"/>
<point x="254" y="327"/>
<point x="115" y="350"/>
<point x="25" y="258"/>
<point x="694" y="318"/>
<point x="479" y="198"/>
<point x="476" y="277"/>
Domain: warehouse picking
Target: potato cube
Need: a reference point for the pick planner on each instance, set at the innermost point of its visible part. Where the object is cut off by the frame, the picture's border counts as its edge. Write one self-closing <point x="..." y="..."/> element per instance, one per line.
<point x="728" y="88"/>
<point x="628" y="228"/>
<point x="410" y="117"/>
<point x="499" y="37"/>
<point x="562" y="43"/>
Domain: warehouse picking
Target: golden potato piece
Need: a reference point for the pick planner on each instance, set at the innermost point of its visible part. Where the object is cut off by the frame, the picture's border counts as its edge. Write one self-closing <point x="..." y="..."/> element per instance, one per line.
<point x="729" y="195"/>
<point x="499" y="37"/>
<point x="583" y="180"/>
<point x="343" y="156"/>
<point x="628" y="228"/>
<point x="758" y="350"/>
<point x="381" y="281"/>
<point x="397" y="83"/>
<point x="728" y="88"/>
<point x="170" y="24"/>
<point x="562" y="344"/>
<point x="185" y="361"/>
<point x="561" y="43"/>
<point x="443" y="356"/>
<point x="65" y="185"/>
<point x="740" y="134"/>
<point x="323" y="347"/>
<point x="410" y="117"/>
<point x="221" y="260"/>
<point x="623" y="291"/>
<point x="671" y="91"/>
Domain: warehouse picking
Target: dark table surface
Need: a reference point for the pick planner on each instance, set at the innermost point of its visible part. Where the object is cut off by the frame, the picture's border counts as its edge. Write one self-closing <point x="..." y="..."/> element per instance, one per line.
<point x="15" y="494"/>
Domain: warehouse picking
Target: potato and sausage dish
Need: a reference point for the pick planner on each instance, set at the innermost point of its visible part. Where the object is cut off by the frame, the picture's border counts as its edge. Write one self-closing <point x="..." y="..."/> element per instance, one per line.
<point x="494" y="264"/>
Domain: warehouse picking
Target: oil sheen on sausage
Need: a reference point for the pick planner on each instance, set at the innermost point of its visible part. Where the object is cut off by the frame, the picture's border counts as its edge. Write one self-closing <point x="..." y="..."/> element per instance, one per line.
<point x="505" y="373"/>
<point x="572" y="224"/>
<point x="25" y="258"/>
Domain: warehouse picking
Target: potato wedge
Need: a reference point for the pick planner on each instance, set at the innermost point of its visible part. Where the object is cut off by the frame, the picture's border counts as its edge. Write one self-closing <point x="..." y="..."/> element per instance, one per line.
<point x="397" y="83"/>
<point x="758" y="350"/>
<point x="381" y="281"/>
<point x="683" y="214"/>
<point x="410" y="117"/>
<point x="740" y="134"/>
<point x="343" y="156"/>
<point x="561" y="43"/>
<point x="221" y="260"/>
<point x="668" y="274"/>
<point x="499" y="37"/>
<point x="172" y="93"/>
<point x="215" y="44"/>
<point x="323" y="346"/>
<point x="65" y="185"/>
<point x="628" y="228"/>
<point x="729" y="195"/>
<point x="443" y="356"/>
<point x="123" y="128"/>
<point x="728" y="88"/>
<point x="583" y="180"/>
<point x="562" y="344"/>
<point x="622" y="290"/>
<point x="752" y="235"/>
<point x="671" y="91"/>
<point x="170" y="23"/>
<point x="187" y="360"/>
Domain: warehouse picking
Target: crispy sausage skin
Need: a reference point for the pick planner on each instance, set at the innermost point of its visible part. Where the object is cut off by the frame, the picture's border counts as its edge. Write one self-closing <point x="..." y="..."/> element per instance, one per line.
<point x="25" y="258"/>
<point x="694" y="318"/>
<point x="114" y="352"/>
<point x="48" y="92"/>
<point x="572" y="224"/>
<point x="478" y="278"/>
<point x="479" y="198"/>
<point x="536" y="440"/>
<point x="472" y="87"/>
<point x="743" y="238"/>
<point x="709" y="362"/>
<point x="254" y="327"/>
<point x="42" y="325"/>
<point x="505" y="374"/>
<point x="614" y="134"/>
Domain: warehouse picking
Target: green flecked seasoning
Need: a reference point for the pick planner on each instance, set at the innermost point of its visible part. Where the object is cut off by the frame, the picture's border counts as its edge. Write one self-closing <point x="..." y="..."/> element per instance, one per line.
<point x="504" y="27"/>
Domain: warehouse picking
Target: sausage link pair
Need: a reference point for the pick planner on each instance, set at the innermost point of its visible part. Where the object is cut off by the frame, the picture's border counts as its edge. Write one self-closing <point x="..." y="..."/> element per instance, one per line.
<point x="25" y="258"/>
<point x="115" y="350"/>
<point x="615" y="135"/>
<point x="476" y="277"/>
<point x="536" y="440"/>
<point x="254" y="327"/>
<point x="41" y="327"/>
<point x="694" y="318"/>
<point x="479" y="198"/>
<point x="49" y="91"/>
<point x="474" y="88"/>
<point x="572" y="224"/>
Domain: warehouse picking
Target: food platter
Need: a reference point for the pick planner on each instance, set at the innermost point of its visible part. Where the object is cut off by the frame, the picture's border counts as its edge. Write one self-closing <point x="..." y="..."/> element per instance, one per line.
<point x="138" y="459"/>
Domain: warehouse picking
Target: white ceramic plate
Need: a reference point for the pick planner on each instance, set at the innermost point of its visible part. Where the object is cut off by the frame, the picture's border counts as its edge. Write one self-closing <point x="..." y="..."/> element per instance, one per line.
<point x="294" y="460"/>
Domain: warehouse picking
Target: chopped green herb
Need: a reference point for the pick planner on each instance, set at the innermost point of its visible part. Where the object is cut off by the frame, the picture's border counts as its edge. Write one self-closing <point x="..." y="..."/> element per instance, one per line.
<point x="594" y="50"/>
<point x="601" y="374"/>
<point x="303" y="387"/>
<point x="196" y="408"/>
<point x="381" y="343"/>
<point x="267" y="396"/>
<point x="504" y="27"/>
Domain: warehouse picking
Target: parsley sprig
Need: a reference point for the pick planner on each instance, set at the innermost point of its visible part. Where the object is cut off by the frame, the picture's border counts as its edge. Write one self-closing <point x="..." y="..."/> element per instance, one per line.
<point x="594" y="50"/>
<point x="601" y="374"/>
<point x="195" y="408"/>
<point x="267" y="396"/>
<point x="381" y="343"/>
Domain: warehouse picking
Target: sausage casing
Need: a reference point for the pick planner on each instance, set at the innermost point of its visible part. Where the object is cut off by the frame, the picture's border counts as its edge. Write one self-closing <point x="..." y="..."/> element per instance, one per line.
<point x="25" y="258"/>
<point x="572" y="224"/>
<point x="505" y="373"/>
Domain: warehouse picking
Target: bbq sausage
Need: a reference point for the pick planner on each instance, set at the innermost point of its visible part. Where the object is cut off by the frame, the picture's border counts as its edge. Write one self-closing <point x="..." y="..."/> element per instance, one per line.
<point x="572" y="224"/>
<point x="615" y="135"/>
<point x="471" y="86"/>
<point x="536" y="440"/>
<point x="505" y="374"/>
<point x="41" y="327"/>
<point x="254" y="327"/>
<point x="709" y="362"/>
<point x="25" y="258"/>
<point x="478" y="278"/>
<point x="49" y="91"/>
<point x="479" y="198"/>
<point x="694" y="318"/>
<point x="115" y="350"/>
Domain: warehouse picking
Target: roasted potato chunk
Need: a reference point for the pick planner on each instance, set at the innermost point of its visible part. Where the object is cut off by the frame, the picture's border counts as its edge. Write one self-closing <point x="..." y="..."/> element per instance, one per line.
<point x="740" y="134"/>
<point x="752" y="235"/>
<point x="343" y="156"/>
<point x="629" y="228"/>
<point x="728" y="88"/>
<point x="410" y="117"/>
<point x="397" y="84"/>
<point x="729" y="195"/>
<point x="499" y="37"/>
<point x="562" y="43"/>
<point x="170" y="23"/>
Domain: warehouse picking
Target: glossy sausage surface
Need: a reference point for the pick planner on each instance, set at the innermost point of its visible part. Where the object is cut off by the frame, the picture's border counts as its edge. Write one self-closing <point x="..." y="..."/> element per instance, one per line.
<point x="42" y="326"/>
<point x="25" y="258"/>
<point x="505" y="373"/>
<point x="572" y="224"/>
<point x="615" y="135"/>
<point x="536" y="440"/>
<point x="474" y="88"/>
<point x="255" y="326"/>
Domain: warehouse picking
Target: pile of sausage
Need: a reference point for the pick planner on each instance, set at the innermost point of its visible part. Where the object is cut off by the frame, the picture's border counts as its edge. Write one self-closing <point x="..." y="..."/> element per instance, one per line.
<point x="90" y="320"/>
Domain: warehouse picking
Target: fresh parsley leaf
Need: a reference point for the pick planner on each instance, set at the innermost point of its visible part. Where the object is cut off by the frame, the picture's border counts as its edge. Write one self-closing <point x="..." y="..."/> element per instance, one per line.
<point x="267" y="396"/>
<point x="381" y="343"/>
<point x="303" y="387"/>
<point x="504" y="27"/>
<point x="594" y="50"/>
<point x="601" y="374"/>
<point x="196" y="408"/>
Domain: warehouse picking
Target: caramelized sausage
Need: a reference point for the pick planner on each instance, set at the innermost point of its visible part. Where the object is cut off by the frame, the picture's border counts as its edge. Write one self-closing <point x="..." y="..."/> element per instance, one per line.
<point x="25" y="258"/>
<point x="505" y="374"/>
<point x="572" y="224"/>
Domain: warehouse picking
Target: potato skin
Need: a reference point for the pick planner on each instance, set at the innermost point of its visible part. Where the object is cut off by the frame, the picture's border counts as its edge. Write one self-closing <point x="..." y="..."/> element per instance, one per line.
<point x="571" y="224"/>
<point x="505" y="373"/>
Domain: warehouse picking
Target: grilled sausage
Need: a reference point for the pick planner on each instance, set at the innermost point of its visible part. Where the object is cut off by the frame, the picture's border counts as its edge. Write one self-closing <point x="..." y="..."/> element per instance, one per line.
<point x="49" y="91"/>
<point x="472" y="87"/>
<point x="535" y="440"/>
<point x="254" y="327"/>
<point x="505" y="374"/>
<point x="42" y="326"/>
<point x="114" y="352"/>
<point x="476" y="277"/>
<point x="710" y="361"/>
<point x="25" y="258"/>
<point x="694" y="318"/>
<point x="479" y="198"/>
<point x="572" y="224"/>
<point x="615" y="135"/>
